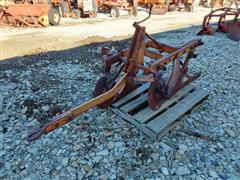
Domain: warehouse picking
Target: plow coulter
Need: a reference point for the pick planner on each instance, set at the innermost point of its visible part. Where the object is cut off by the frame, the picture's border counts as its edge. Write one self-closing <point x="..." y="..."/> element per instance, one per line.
<point x="164" y="67"/>
<point x="232" y="28"/>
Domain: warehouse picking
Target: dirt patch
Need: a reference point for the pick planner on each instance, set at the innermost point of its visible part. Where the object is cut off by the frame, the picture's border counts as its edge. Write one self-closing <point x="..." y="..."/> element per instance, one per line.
<point x="73" y="33"/>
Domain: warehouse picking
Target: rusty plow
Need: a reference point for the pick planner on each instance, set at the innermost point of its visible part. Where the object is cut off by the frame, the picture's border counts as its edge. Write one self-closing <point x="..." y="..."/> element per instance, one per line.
<point x="147" y="60"/>
<point x="230" y="27"/>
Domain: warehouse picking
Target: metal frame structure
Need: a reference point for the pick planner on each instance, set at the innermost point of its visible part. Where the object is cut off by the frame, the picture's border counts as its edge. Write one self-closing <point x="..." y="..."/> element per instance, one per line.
<point x="131" y="70"/>
<point x="113" y="6"/>
<point x="232" y="27"/>
<point x="30" y="14"/>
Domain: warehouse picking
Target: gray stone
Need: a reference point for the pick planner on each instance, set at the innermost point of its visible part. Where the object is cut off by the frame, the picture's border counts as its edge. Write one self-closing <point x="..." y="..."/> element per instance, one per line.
<point x="34" y="123"/>
<point x="182" y="171"/>
<point x="24" y="110"/>
<point x="76" y="147"/>
<point x="32" y="150"/>
<point x="230" y="132"/>
<point x="1" y="103"/>
<point x="213" y="174"/>
<point x="103" y="153"/>
<point x="59" y="167"/>
<point x="111" y="145"/>
<point x="199" y="178"/>
<point x="65" y="161"/>
<point x="220" y="145"/>
<point x="3" y="173"/>
<point x="182" y="148"/>
<point x="119" y="144"/>
<point x="165" y="147"/>
<point x="45" y="108"/>
<point x="103" y="177"/>
<point x="238" y="166"/>
<point x="1" y="139"/>
<point x="17" y="142"/>
<point x="81" y="174"/>
<point x="3" y="117"/>
<point x="164" y="170"/>
<point x="97" y="159"/>
<point x="155" y="156"/>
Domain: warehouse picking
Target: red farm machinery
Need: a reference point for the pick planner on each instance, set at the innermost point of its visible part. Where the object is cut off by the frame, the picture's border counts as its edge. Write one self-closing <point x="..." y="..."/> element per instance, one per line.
<point x="37" y="13"/>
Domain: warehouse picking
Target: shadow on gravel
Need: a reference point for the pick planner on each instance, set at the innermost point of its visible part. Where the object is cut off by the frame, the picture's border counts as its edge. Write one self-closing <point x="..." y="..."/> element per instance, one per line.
<point x="87" y="54"/>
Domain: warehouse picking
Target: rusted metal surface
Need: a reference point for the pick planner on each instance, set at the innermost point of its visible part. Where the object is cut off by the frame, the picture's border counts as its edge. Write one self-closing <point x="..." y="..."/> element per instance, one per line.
<point x="28" y="14"/>
<point x="126" y="70"/>
<point x="222" y="26"/>
<point x="163" y="6"/>
<point x="113" y="6"/>
<point x="159" y="6"/>
<point x="8" y="17"/>
<point x="71" y="114"/>
<point x="78" y="8"/>
<point x="234" y="31"/>
<point x="216" y="3"/>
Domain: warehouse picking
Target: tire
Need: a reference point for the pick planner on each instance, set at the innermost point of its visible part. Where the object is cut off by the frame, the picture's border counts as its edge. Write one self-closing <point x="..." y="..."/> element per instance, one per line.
<point x="54" y="17"/>
<point x="188" y="8"/>
<point x="115" y="12"/>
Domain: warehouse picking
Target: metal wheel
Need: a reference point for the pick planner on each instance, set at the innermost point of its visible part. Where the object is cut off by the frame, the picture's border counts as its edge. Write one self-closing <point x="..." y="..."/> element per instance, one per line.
<point x="54" y="16"/>
<point x="101" y="87"/>
<point x="188" y="8"/>
<point x="155" y="97"/>
<point x="114" y="12"/>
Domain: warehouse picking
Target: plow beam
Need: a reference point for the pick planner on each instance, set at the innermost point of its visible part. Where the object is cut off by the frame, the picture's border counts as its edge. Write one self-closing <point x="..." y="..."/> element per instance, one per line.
<point x="71" y="114"/>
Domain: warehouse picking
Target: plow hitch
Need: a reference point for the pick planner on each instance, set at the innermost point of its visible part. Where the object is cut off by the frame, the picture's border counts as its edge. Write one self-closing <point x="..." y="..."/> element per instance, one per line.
<point x="147" y="60"/>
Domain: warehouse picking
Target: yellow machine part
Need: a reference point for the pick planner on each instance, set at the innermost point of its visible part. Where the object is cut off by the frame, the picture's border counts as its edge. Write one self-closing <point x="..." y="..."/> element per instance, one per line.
<point x="44" y="21"/>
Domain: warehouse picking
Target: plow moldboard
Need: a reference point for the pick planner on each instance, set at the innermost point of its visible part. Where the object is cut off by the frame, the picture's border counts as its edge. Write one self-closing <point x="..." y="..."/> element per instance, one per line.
<point x="134" y="109"/>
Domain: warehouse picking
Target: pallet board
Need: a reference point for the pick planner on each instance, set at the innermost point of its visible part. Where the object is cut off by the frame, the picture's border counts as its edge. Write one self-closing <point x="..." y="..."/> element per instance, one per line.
<point x="134" y="109"/>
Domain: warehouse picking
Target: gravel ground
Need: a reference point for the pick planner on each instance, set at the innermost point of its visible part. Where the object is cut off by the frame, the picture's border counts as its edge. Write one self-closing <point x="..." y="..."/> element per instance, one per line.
<point x="97" y="145"/>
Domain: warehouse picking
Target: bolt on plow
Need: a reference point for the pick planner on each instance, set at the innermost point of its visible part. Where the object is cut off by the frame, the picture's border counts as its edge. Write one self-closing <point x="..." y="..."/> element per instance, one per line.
<point x="146" y="60"/>
<point x="232" y="27"/>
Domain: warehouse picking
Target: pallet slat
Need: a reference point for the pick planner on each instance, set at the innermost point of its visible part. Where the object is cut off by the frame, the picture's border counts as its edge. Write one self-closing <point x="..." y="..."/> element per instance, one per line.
<point x="155" y="124"/>
<point x="131" y="95"/>
<point x="169" y="116"/>
<point x="135" y="103"/>
<point x="138" y="125"/>
<point x="147" y="113"/>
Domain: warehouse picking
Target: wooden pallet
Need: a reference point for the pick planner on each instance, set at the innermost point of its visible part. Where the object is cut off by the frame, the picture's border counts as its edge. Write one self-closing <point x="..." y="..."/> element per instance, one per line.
<point x="134" y="109"/>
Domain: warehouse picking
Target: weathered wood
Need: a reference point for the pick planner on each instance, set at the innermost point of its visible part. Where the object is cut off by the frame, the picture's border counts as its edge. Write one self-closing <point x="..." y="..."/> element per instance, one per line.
<point x="172" y="112"/>
<point x="135" y="103"/>
<point x="169" y="116"/>
<point x="131" y="120"/>
<point x="175" y="123"/>
<point x="131" y="95"/>
<point x="147" y="113"/>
